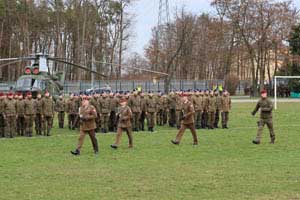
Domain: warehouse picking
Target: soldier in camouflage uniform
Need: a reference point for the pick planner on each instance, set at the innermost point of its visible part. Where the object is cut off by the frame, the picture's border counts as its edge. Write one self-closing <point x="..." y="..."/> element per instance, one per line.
<point x="225" y="108"/>
<point x="10" y="114"/>
<point x="60" y="108"/>
<point x="72" y="111"/>
<point x="197" y="101"/>
<point x="211" y="110"/>
<point x="143" y="112"/>
<point x="179" y="107"/>
<point x="113" y="111"/>
<point x="160" y="110"/>
<point x="48" y="113"/>
<point x="2" y="121"/>
<point x="218" y="107"/>
<point x="134" y="103"/>
<point x="94" y="102"/>
<point x="204" y="122"/>
<point x="29" y="114"/>
<point x="172" y="109"/>
<point x="20" y="106"/>
<point x="151" y="109"/>
<point x="104" y="104"/>
<point x="38" y="115"/>
<point x="266" y="107"/>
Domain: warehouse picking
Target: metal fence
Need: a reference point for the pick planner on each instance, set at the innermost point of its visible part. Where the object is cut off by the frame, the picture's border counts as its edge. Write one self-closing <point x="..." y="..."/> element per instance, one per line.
<point x="129" y="85"/>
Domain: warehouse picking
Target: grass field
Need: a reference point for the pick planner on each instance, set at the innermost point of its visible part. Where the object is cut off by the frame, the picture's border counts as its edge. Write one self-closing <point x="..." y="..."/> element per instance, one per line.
<point x="226" y="165"/>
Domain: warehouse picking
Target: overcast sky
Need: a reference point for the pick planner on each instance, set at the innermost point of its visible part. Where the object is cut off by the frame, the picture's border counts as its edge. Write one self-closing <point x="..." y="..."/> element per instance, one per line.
<point x="146" y="17"/>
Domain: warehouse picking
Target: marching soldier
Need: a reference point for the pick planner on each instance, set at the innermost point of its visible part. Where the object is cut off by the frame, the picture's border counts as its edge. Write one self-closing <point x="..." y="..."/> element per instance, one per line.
<point x="151" y="109"/>
<point x="2" y="121"/>
<point x="124" y="114"/>
<point x="87" y="115"/>
<point x="20" y="106"/>
<point x="266" y="107"/>
<point x="187" y="121"/>
<point x="197" y="101"/>
<point x="60" y="109"/>
<point x="38" y="115"/>
<point x="225" y="108"/>
<point x="135" y="104"/>
<point x="48" y="113"/>
<point x="211" y="110"/>
<point x="218" y="107"/>
<point x="104" y="104"/>
<point x="10" y="116"/>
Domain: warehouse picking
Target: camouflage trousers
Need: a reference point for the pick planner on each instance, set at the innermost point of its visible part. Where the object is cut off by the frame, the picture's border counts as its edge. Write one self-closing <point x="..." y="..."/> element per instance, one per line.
<point x="72" y="121"/>
<point x="150" y="119"/>
<point x="217" y="118"/>
<point x="29" y="125"/>
<point x="38" y="124"/>
<point x="142" y="121"/>
<point x="135" y="121"/>
<point x="261" y="123"/>
<point x="47" y="125"/>
<point x="211" y="119"/>
<point x="61" y="119"/>
<point x="119" y="136"/>
<point x="204" y="120"/>
<point x="160" y="118"/>
<point x="225" y="118"/>
<point x="2" y="126"/>
<point x="112" y="121"/>
<point x="172" y="117"/>
<point x="182" y="129"/>
<point x="10" y="126"/>
<point x="104" y="121"/>
<point x="21" y="125"/>
<point x="198" y="117"/>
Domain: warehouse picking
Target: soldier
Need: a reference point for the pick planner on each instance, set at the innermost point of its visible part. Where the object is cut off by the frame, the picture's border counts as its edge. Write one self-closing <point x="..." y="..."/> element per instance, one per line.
<point x="197" y="101"/>
<point x="48" y="113"/>
<point x="204" y="122"/>
<point x="165" y="109"/>
<point x="179" y="113"/>
<point x="218" y="107"/>
<point x="135" y="104"/>
<point x="171" y="101"/>
<point x="10" y="114"/>
<point x="266" y="106"/>
<point x="20" y="106"/>
<point x="211" y="110"/>
<point x="160" y="110"/>
<point x="72" y="111"/>
<point x="29" y="114"/>
<point x="124" y="114"/>
<point x="60" y="107"/>
<point x="104" y="104"/>
<point x="187" y="121"/>
<point x="87" y="115"/>
<point x="151" y="109"/>
<point x="38" y="115"/>
<point x="143" y="112"/>
<point x="2" y="121"/>
<point x="225" y="108"/>
<point x="113" y="111"/>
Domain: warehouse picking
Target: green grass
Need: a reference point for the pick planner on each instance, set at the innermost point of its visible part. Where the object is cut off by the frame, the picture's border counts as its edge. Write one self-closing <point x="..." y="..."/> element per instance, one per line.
<point x="226" y="165"/>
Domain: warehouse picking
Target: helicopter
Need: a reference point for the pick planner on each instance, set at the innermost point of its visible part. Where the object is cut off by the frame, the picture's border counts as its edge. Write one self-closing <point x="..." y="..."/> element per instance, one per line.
<point x="37" y="77"/>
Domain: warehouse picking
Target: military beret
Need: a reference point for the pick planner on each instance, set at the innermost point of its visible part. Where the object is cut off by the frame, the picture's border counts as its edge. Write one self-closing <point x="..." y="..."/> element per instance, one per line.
<point x="263" y="91"/>
<point x="10" y="94"/>
<point x="28" y="93"/>
<point x="1" y="94"/>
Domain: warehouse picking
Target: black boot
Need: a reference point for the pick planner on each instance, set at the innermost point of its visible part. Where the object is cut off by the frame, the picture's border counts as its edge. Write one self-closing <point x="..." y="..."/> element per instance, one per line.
<point x="76" y="152"/>
<point x="114" y="146"/>
<point x="175" y="142"/>
<point x="255" y="142"/>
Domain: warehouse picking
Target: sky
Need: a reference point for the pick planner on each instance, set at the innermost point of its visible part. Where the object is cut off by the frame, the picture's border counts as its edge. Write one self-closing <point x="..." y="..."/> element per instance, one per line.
<point x="146" y="17"/>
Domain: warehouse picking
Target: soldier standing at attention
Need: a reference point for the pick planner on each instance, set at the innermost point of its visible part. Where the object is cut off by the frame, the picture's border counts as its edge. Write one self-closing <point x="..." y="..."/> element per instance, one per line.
<point x="20" y="115"/>
<point x="218" y="107"/>
<point x="151" y="109"/>
<point x="198" y="105"/>
<point x="29" y="114"/>
<point x="135" y="104"/>
<point x="104" y="105"/>
<point x="225" y="108"/>
<point x="171" y="101"/>
<point x="187" y="121"/>
<point x="124" y="114"/>
<point x="10" y="116"/>
<point x="266" y="107"/>
<point x="72" y="112"/>
<point x="38" y="115"/>
<point x="211" y="110"/>
<point x="88" y="115"/>
<point x="160" y="110"/>
<point x="178" y="109"/>
<point x="143" y="112"/>
<point x="48" y="113"/>
<point x="2" y="121"/>
<point x="204" y="122"/>
<point x="113" y="110"/>
<point x="60" y="107"/>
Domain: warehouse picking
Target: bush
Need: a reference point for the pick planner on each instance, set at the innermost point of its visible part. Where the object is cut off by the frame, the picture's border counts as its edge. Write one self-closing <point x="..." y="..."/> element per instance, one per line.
<point x="231" y="83"/>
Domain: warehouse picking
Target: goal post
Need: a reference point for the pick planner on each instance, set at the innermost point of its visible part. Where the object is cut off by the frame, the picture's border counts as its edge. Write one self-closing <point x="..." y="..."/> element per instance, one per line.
<point x="275" y="86"/>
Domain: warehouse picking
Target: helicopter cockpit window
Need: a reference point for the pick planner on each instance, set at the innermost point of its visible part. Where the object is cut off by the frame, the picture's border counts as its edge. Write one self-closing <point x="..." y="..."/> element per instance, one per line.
<point x="31" y="83"/>
<point x="24" y="82"/>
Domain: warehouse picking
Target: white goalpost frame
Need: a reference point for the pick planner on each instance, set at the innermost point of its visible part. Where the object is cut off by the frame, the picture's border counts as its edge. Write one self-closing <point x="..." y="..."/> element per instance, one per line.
<point x="275" y="86"/>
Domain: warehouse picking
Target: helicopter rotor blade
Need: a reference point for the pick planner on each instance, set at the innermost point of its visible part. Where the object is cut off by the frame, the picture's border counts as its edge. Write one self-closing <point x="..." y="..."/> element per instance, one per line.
<point x="129" y="67"/>
<point x="10" y="63"/>
<point x="15" y="59"/>
<point x="76" y="65"/>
